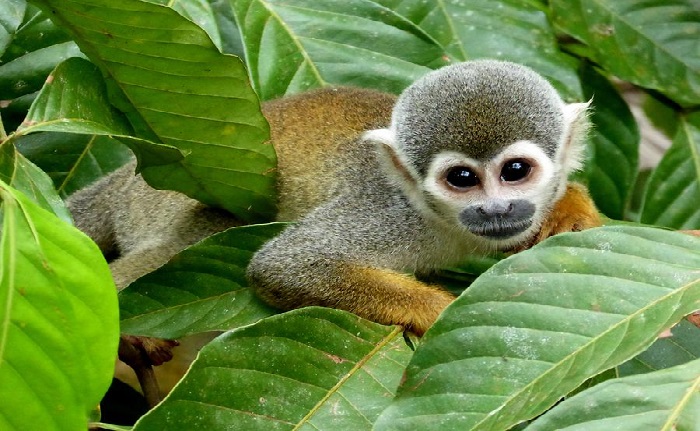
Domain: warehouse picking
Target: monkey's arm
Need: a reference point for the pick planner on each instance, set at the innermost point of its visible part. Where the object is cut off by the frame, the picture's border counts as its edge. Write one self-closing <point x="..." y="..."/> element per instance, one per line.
<point x="377" y="294"/>
<point x="340" y="265"/>
<point x="574" y="212"/>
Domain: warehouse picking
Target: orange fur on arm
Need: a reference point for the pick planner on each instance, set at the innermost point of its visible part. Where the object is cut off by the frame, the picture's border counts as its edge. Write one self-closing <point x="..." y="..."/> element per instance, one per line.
<point x="395" y="298"/>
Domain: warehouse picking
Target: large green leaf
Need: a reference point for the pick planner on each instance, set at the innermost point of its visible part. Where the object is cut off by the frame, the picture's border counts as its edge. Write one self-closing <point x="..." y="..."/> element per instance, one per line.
<point x="507" y="30"/>
<point x="313" y="368"/>
<point x="58" y="320"/>
<point x="294" y="46"/>
<point x="650" y="43"/>
<point x="175" y="87"/>
<point x="673" y="191"/>
<point x="538" y="324"/>
<point x="661" y="112"/>
<point x="662" y="400"/>
<point x="201" y="289"/>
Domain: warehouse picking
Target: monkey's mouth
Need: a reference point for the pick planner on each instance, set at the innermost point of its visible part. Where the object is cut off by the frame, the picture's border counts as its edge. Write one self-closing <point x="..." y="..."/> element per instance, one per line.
<point x="501" y="229"/>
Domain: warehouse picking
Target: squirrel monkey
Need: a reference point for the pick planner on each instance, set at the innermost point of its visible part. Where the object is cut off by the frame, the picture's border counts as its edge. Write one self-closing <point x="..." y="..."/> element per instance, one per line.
<point x="472" y="158"/>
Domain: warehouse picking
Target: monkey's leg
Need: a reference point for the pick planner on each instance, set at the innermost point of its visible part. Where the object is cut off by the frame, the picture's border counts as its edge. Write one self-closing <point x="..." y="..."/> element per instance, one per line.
<point x="574" y="212"/>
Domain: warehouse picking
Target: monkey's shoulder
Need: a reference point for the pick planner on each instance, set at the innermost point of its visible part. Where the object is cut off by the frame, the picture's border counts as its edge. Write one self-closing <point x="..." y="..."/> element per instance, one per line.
<point x="369" y="218"/>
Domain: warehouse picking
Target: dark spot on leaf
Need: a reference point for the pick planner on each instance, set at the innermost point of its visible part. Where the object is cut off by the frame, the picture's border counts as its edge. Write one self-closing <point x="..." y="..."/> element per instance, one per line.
<point x="334" y="358"/>
<point x="603" y="30"/>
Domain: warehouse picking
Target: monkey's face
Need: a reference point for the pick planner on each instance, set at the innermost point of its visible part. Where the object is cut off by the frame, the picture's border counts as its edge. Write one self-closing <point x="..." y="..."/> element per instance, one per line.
<point x="502" y="200"/>
<point x="485" y="146"/>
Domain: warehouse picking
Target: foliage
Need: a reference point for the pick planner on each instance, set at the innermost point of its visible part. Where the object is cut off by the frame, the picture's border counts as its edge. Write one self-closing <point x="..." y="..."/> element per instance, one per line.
<point x="530" y="330"/>
<point x="321" y="367"/>
<point x="669" y="400"/>
<point x="59" y="320"/>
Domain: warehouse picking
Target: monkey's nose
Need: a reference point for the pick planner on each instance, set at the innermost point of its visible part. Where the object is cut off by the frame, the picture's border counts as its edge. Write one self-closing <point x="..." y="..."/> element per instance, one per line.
<point x="495" y="209"/>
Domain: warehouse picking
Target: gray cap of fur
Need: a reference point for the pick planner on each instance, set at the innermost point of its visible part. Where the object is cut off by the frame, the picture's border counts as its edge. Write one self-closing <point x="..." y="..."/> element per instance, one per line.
<point x="476" y="108"/>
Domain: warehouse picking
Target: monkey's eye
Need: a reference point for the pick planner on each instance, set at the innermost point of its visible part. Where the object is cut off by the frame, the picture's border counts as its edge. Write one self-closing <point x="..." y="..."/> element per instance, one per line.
<point x="515" y="170"/>
<point x="461" y="177"/>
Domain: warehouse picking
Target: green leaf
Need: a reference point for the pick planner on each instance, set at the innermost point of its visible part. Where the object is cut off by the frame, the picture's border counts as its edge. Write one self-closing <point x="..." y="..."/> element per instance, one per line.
<point x="11" y="15"/>
<point x="26" y="177"/>
<point x="457" y="279"/>
<point x="615" y="145"/>
<point x="74" y="100"/>
<point x="653" y="44"/>
<point x="35" y="32"/>
<point x="35" y="47"/>
<point x="231" y="42"/>
<point x="175" y="87"/>
<point x="58" y="320"/>
<point x="662" y="113"/>
<point x="201" y="13"/>
<point x="475" y="29"/>
<point x="203" y="288"/>
<point x="595" y="380"/>
<point x="637" y="195"/>
<point x="673" y="191"/>
<point x="313" y="368"/>
<point x="538" y="324"/>
<point x="73" y="160"/>
<point x="681" y="347"/>
<point x="662" y="400"/>
<point x="27" y="73"/>
<point x="294" y="46"/>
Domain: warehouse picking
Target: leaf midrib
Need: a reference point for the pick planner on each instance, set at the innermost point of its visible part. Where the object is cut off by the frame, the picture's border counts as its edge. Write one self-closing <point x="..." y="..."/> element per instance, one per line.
<point x="670" y="423"/>
<point x="386" y="340"/>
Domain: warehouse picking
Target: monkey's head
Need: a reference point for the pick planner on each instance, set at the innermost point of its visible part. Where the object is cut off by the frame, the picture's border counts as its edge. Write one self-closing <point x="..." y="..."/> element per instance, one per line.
<point x="485" y="146"/>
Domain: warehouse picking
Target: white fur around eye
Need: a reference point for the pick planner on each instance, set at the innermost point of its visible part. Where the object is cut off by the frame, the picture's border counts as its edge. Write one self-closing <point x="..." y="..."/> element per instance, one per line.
<point x="447" y="159"/>
<point x="543" y="172"/>
<point x="441" y="163"/>
<point x="521" y="150"/>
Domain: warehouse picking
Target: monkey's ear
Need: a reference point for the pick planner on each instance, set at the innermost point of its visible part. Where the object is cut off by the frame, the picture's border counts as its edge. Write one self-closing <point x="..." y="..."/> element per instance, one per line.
<point x="391" y="158"/>
<point x="576" y="126"/>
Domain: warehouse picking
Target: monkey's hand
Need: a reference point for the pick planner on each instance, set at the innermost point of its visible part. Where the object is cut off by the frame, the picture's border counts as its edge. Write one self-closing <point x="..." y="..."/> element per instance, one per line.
<point x="145" y="350"/>
<point x="574" y="212"/>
